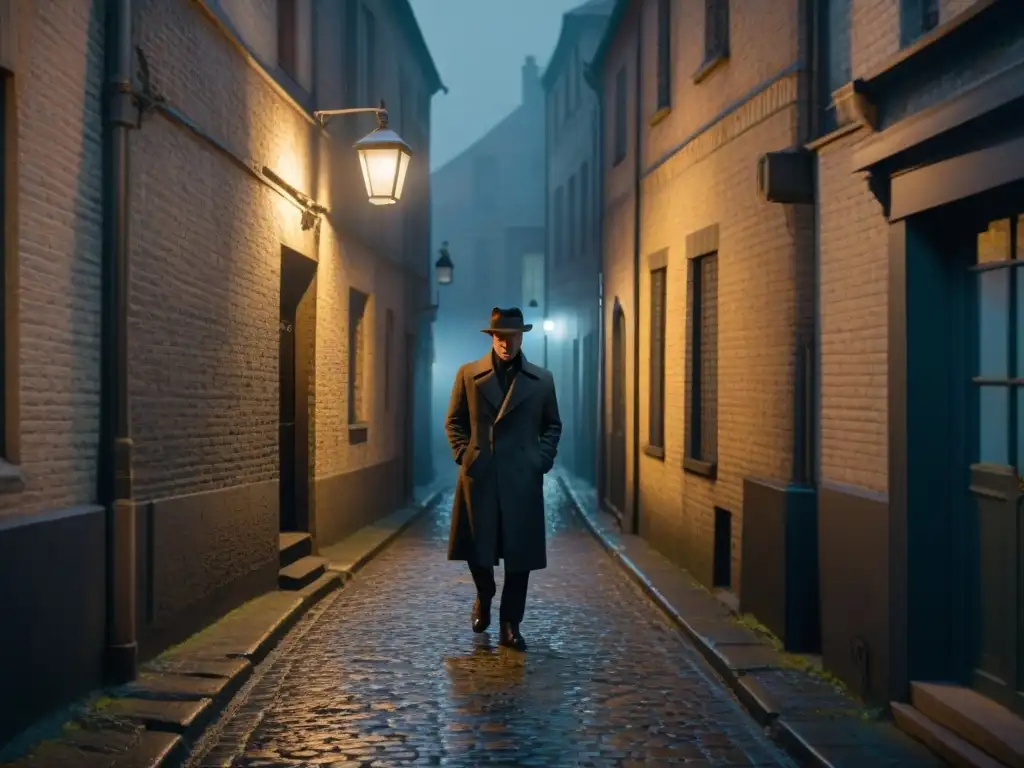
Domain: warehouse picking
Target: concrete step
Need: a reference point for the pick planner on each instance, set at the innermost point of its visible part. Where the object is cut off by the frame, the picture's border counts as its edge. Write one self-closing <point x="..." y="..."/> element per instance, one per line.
<point x="302" y="572"/>
<point x="987" y="725"/>
<point x="943" y="742"/>
<point x="292" y="546"/>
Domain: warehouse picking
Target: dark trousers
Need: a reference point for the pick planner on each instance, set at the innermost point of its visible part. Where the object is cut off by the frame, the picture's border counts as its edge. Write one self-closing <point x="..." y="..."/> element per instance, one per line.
<point x="513" y="594"/>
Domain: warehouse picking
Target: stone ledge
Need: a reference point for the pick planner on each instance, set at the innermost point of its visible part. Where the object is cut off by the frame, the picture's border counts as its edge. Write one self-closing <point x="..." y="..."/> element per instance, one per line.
<point x="150" y="722"/>
<point x="815" y="721"/>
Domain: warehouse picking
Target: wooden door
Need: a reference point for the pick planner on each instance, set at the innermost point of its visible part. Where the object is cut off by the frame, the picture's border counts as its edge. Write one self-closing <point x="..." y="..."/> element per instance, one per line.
<point x="617" y="443"/>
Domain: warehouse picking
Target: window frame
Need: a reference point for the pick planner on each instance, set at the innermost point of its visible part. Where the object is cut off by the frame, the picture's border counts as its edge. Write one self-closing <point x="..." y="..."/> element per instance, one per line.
<point x="663" y="94"/>
<point x="695" y="460"/>
<point x="658" y="310"/>
<point x="358" y="306"/>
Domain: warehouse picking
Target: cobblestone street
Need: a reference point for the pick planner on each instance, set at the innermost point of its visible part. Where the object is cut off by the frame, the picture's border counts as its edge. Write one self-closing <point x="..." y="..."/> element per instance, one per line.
<point x="387" y="672"/>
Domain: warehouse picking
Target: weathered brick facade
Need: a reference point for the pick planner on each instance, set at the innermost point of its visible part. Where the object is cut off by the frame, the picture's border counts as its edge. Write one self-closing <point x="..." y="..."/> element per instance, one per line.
<point x="699" y="160"/>
<point x="208" y="226"/>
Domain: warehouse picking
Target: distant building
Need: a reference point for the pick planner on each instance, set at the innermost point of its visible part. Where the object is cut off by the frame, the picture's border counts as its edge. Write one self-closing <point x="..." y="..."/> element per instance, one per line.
<point x="573" y="243"/>
<point x="488" y="204"/>
<point x="274" y="317"/>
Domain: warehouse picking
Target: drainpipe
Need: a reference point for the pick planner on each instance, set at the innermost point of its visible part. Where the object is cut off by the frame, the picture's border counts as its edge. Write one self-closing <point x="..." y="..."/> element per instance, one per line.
<point x="637" y="164"/>
<point x="548" y="243"/>
<point x="115" y="484"/>
<point x="598" y="159"/>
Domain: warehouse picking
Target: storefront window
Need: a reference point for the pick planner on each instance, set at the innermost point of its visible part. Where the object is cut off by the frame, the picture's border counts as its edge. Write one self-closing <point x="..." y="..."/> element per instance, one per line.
<point x="1000" y="343"/>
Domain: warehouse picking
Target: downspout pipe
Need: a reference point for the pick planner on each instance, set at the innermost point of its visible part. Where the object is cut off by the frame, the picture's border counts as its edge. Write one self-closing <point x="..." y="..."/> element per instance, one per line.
<point x="637" y="165"/>
<point x="115" y="481"/>
<point x="549" y="244"/>
<point x="593" y="79"/>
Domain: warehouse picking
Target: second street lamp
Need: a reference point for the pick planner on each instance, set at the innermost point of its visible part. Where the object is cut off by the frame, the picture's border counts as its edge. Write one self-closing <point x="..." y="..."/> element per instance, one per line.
<point x="443" y="267"/>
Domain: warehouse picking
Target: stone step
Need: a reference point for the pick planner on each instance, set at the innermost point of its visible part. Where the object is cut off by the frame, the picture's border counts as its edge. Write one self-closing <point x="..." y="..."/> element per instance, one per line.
<point x="987" y="725"/>
<point x="292" y="546"/>
<point x="303" y="571"/>
<point x="943" y="742"/>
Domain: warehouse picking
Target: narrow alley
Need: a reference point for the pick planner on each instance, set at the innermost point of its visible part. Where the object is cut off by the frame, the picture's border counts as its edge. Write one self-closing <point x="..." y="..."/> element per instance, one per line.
<point x="388" y="672"/>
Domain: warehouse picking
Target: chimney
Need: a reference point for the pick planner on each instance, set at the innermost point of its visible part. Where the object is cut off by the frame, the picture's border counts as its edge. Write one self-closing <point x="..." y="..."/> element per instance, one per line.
<point x="531" y="80"/>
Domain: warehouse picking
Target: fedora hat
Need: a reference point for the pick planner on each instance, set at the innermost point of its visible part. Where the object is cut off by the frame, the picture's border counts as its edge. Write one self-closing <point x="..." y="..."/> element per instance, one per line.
<point x="507" y="321"/>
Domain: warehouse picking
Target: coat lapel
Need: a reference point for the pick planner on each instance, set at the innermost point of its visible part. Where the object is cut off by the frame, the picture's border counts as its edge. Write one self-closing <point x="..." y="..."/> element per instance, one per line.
<point x="522" y="387"/>
<point x="487" y="382"/>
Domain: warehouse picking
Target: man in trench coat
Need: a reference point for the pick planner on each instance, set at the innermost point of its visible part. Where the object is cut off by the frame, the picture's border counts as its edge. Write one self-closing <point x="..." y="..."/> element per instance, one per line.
<point x="503" y="427"/>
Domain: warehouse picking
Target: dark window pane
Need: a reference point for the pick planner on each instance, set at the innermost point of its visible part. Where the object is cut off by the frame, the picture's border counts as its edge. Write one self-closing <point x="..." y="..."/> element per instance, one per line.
<point x="656" y="405"/>
<point x="993" y="322"/>
<point x="709" y="357"/>
<point x="664" y="53"/>
<point x="994" y="425"/>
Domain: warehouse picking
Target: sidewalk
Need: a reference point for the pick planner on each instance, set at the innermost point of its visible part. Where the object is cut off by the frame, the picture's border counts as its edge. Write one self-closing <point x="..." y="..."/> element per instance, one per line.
<point x="151" y="721"/>
<point x="805" y="712"/>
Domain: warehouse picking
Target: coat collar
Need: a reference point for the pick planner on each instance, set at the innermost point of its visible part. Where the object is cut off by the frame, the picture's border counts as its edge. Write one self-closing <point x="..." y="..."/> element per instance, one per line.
<point x="487" y="383"/>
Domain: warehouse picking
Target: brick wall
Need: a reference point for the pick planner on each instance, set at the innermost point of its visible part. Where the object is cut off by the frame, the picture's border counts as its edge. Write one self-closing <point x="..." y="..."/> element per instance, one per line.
<point x="57" y="74"/>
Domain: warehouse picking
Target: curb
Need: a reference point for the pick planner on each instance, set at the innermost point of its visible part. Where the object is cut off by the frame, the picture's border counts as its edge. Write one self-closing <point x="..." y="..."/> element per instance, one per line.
<point x="756" y="701"/>
<point x="142" y="739"/>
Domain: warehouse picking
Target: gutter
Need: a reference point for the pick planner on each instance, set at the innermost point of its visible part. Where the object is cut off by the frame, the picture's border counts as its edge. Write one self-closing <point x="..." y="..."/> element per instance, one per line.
<point x="115" y="475"/>
<point x="637" y="178"/>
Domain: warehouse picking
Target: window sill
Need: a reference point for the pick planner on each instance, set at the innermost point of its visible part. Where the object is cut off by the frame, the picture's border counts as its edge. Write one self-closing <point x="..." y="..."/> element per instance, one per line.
<point x="706" y="469"/>
<point x="660" y="115"/>
<point x="12" y="478"/>
<point x="358" y="433"/>
<point x="709" y="66"/>
<point x="655" y="451"/>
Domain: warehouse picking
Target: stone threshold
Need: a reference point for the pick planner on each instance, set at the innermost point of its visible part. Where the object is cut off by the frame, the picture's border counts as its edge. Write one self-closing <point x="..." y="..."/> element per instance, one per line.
<point x="813" y="719"/>
<point x="153" y="721"/>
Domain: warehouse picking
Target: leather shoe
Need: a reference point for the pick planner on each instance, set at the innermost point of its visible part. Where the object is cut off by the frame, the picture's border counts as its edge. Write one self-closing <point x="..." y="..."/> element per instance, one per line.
<point x="481" y="616"/>
<point x="510" y="636"/>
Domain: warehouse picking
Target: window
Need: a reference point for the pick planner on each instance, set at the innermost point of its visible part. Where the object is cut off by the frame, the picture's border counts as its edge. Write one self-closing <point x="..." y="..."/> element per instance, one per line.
<point x="351" y="53"/>
<point x="370" y="58"/>
<point x="533" y="280"/>
<point x="570" y="251"/>
<point x="834" y="54"/>
<point x="485" y="181"/>
<point x="619" y="149"/>
<point x="286" y="36"/>
<point x="557" y="220"/>
<point x="664" y="54"/>
<point x="999" y="273"/>
<point x="716" y="29"/>
<point x="702" y="362"/>
<point x="357" y="390"/>
<point x="584" y="207"/>
<point x="656" y="403"/>
<point x="389" y="346"/>
<point x="917" y="18"/>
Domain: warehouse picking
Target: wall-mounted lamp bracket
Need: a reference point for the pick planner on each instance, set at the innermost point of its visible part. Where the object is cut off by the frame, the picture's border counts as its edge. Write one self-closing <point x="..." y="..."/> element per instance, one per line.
<point x="323" y="116"/>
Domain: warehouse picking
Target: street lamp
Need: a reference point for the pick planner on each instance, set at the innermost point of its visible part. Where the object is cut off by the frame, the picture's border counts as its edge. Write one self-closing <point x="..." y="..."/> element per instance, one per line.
<point x="443" y="267"/>
<point x="548" y="326"/>
<point x="383" y="155"/>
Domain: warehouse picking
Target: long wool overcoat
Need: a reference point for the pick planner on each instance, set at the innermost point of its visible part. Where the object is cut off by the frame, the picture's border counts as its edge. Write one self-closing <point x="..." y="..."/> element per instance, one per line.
<point x="504" y="445"/>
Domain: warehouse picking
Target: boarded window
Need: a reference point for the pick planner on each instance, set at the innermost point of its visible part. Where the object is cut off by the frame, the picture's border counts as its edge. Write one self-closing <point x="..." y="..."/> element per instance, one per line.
<point x="656" y="412"/>
<point x="716" y="29"/>
<point x="619" y="150"/>
<point x="357" y="379"/>
<point x="664" y="53"/>
<point x="702" y="359"/>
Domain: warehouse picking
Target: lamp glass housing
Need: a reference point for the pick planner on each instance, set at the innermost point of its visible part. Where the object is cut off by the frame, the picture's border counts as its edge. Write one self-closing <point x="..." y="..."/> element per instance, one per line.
<point x="444" y="273"/>
<point x="384" y="160"/>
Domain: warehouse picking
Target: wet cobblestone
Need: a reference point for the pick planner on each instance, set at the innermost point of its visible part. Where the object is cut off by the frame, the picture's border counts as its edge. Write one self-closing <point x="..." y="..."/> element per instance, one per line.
<point x="389" y="673"/>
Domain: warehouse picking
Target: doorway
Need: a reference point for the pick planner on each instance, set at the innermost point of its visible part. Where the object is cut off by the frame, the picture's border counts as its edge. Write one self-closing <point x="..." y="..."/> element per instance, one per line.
<point x="617" y="444"/>
<point x="296" y="361"/>
<point x="996" y="417"/>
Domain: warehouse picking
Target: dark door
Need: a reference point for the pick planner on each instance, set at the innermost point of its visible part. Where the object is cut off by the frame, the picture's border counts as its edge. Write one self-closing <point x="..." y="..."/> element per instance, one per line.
<point x="577" y="411"/>
<point x="295" y="359"/>
<point x="408" y="431"/>
<point x="998" y="407"/>
<point x="617" y="444"/>
<point x="590" y="414"/>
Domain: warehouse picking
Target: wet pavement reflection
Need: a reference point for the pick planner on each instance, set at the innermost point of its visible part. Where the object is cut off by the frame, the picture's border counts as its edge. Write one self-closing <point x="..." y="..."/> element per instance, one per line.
<point x="389" y="673"/>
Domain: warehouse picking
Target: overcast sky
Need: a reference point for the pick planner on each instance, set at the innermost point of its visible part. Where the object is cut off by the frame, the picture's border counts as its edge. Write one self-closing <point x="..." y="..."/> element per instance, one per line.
<point x="479" y="47"/>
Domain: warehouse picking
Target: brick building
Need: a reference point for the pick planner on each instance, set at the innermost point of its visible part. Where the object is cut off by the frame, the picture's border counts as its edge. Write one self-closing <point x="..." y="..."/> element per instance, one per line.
<point x="921" y="196"/>
<point x="488" y="205"/>
<point x="707" y="289"/>
<point x="273" y="315"/>
<point x="573" y="263"/>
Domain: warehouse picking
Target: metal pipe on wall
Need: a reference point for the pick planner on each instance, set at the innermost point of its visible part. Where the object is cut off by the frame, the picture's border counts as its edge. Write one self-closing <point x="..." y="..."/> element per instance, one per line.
<point x="115" y="477"/>
<point x="637" y="164"/>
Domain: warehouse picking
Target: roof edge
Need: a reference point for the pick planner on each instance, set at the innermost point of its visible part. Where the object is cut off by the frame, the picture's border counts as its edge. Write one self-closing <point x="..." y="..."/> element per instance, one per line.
<point x="407" y="18"/>
<point x="610" y="32"/>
